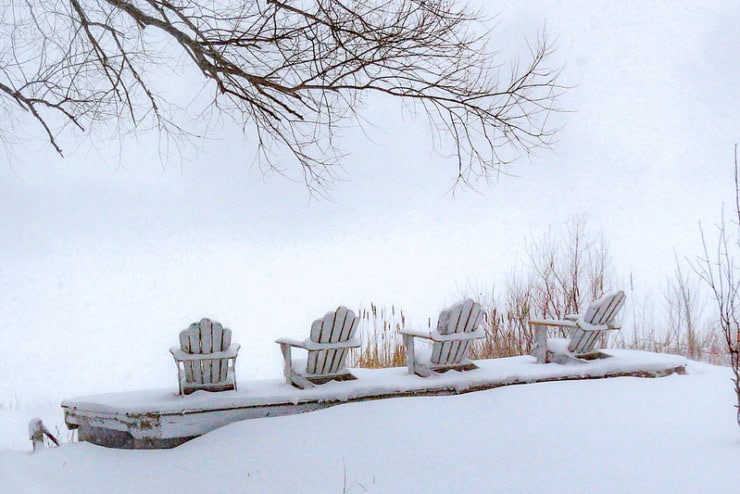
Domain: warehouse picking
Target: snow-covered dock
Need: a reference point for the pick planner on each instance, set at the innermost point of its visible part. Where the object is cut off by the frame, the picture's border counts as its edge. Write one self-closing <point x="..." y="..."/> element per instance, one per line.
<point x="161" y="418"/>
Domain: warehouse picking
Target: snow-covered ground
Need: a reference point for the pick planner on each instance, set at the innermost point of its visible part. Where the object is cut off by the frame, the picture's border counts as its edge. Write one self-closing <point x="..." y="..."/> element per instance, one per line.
<point x="621" y="435"/>
<point x="102" y="265"/>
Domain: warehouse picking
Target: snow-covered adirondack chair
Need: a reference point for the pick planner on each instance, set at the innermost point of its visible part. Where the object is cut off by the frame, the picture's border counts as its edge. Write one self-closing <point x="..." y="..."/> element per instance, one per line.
<point x="328" y="345"/>
<point x="585" y="331"/>
<point x="206" y="358"/>
<point x="457" y="327"/>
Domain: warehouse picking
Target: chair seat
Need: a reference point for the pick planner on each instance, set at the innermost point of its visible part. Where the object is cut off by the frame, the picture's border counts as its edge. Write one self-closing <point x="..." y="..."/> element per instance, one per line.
<point x="558" y="345"/>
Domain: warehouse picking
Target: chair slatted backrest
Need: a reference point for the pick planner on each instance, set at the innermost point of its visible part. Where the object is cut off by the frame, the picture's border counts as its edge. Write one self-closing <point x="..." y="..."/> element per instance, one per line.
<point x="601" y="311"/>
<point x="463" y="317"/>
<point x="338" y="326"/>
<point x="205" y="337"/>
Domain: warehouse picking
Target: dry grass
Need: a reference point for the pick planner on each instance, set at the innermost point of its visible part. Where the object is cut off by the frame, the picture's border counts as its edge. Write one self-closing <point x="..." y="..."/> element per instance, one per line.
<point x="382" y="346"/>
<point x="705" y="345"/>
<point x="508" y="335"/>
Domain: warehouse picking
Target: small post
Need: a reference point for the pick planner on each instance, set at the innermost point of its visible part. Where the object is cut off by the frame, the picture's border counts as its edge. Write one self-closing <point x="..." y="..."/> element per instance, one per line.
<point x="36" y="432"/>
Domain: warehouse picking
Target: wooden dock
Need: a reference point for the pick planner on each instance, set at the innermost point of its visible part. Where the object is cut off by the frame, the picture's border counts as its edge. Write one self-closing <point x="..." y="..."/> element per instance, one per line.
<point x="156" y="419"/>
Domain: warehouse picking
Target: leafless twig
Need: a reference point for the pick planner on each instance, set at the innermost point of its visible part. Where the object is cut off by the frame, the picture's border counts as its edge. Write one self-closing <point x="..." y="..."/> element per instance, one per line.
<point x="291" y="72"/>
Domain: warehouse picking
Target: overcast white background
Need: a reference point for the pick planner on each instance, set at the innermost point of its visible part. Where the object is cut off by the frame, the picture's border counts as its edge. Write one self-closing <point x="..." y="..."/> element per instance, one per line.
<point x="103" y="260"/>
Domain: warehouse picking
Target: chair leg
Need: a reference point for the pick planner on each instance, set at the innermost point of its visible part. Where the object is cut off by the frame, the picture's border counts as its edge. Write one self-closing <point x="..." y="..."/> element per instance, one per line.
<point x="539" y="349"/>
<point x="179" y="378"/>
<point x="300" y="381"/>
<point x="408" y="342"/>
<point x="423" y="370"/>
<point x="287" y="362"/>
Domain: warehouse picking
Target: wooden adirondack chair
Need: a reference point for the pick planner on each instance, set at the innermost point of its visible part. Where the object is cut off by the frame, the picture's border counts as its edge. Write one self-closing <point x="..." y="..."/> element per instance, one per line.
<point x="457" y="327"/>
<point x="585" y="331"/>
<point x="206" y="358"/>
<point x="328" y="346"/>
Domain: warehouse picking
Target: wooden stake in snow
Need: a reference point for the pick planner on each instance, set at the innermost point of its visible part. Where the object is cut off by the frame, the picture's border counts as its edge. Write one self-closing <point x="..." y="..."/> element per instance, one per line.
<point x="36" y="432"/>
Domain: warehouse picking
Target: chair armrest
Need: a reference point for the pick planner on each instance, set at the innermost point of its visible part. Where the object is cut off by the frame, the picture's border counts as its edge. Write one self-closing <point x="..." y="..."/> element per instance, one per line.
<point x="572" y="323"/>
<point x="553" y="322"/>
<point x="231" y="352"/>
<point x="289" y="341"/>
<point x="307" y="344"/>
<point x="435" y="336"/>
<point x="416" y="333"/>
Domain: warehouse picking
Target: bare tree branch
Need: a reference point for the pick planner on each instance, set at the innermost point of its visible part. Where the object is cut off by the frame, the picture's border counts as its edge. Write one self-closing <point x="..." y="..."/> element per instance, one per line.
<point x="290" y="71"/>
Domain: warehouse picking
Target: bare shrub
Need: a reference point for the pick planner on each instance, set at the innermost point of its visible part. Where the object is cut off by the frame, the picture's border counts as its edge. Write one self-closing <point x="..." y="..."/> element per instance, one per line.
<point x="564" y="271"/>
<point x="676" y="324"/>
<point x="719" y="272"/>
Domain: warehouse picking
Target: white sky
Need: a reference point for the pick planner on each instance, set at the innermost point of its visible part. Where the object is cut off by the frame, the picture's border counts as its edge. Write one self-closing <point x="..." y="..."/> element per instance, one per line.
<point x="100" y="259"/>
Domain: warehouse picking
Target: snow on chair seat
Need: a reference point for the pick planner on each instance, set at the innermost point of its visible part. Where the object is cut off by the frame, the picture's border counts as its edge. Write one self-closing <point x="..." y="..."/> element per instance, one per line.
<point x="206" y="358"/>
<point x="328" y="346"/>
<point x="584" y="331"/>
<point x="457" y="327"/>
